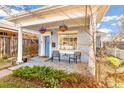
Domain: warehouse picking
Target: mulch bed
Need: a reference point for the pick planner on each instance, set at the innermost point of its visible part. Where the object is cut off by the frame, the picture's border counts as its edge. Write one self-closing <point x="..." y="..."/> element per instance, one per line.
<point x="39" y="83"/>
<point x="69" y="84"/>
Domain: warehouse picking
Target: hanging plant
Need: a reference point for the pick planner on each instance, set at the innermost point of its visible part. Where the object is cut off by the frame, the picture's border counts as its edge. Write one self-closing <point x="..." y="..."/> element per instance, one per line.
<point x="63" y="27"/>
<point x="42" y="29"/>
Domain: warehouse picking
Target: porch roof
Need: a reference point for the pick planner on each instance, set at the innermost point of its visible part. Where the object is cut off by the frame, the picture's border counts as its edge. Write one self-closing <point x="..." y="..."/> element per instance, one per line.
<point x="6" y="26"/>
<point x="52" y="16"/>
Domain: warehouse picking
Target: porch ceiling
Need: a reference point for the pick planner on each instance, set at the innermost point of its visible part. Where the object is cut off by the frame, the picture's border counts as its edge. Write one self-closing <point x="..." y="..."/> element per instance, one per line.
<point x="53" y="16"/>
<point x="54" y="25"/>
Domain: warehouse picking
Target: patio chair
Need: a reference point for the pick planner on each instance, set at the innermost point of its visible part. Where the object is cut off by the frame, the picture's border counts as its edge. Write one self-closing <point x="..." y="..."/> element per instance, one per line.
<point x="75" y="57"/>
<point x="55" y="54"/>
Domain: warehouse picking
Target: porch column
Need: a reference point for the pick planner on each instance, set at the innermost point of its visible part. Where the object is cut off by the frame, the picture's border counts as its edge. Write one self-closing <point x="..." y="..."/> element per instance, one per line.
<point x="50" y="47"/>
<point x="92" y="47"/>
<point x="40" y="45"/>
<point x="20" y="46"/>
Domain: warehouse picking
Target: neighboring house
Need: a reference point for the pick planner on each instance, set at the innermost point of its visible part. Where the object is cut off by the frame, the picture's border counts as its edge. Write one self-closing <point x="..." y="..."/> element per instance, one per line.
<point x="76" y="38"/>
<point x="100" y="36"/>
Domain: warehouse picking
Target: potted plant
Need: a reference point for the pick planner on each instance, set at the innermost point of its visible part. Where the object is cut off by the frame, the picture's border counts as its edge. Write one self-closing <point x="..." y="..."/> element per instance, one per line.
<point x="24" y="59"/>
<point x="63" y="27"/>
<point x="42" y="29"/>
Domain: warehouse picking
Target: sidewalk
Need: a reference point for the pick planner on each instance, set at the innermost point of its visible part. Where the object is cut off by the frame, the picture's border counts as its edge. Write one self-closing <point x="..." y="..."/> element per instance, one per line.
<point x="5" y="72"/>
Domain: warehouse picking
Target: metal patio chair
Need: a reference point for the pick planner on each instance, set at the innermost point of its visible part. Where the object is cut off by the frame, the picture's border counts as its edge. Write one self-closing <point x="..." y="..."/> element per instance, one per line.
<point x="55" y="54"/>
<point x="75" y="57"/>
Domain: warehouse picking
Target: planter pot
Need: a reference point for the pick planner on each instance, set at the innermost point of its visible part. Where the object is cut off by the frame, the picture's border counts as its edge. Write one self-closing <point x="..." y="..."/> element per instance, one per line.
<point x="63" y="27"/>
<point x="24" y="59"/>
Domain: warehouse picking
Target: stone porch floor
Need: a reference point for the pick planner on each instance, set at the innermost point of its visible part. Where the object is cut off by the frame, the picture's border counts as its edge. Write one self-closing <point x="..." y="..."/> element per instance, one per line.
<point x="62" y="65"/>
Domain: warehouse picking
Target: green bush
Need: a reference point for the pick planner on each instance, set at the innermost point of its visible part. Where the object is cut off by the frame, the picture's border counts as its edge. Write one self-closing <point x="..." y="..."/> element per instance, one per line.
<point x="46" y="74"/>
<point x="55" y="78"/>
<point x="114" y="61"/>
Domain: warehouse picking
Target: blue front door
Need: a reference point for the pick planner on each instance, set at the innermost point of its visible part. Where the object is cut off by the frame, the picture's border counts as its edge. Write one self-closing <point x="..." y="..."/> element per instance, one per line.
<point x="46" y="45"/>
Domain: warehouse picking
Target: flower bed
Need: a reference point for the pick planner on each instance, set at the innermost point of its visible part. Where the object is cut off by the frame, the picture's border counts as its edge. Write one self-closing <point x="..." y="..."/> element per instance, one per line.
<point x="49" y="77"/>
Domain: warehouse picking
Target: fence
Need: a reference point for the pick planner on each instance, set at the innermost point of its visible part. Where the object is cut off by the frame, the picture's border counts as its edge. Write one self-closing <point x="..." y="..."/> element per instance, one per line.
<point x="118" y="52"/>
<point x="9" y="46"/>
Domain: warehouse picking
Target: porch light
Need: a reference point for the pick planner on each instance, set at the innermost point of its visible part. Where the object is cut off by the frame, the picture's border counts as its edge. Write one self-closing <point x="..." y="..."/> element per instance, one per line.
<point x="63" y="27"/>
<point x="42" y="29"/>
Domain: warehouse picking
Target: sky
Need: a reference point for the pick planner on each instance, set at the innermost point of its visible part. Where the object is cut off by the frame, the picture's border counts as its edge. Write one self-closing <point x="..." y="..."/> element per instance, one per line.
<point x="109" y="24"/>
<point x="111" y="21"/>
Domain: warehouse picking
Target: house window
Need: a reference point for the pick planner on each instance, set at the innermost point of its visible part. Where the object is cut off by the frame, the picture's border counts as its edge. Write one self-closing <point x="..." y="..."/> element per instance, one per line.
<point x="68" y="41"/>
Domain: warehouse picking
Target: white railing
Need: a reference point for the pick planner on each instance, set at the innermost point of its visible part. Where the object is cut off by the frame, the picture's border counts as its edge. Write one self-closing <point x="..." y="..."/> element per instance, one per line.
<point x="115" y="51"/>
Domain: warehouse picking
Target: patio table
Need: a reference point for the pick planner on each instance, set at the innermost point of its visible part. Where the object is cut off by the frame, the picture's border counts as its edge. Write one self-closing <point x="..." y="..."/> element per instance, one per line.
<point x="65" y="55"/>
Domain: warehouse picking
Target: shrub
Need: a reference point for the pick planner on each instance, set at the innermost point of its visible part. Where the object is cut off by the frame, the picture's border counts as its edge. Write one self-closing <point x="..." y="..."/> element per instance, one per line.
<point x="114" y="61"/>
<point x="47" y="74"/>
<point x="79" y="81"/>
<point x="56" y="78"/>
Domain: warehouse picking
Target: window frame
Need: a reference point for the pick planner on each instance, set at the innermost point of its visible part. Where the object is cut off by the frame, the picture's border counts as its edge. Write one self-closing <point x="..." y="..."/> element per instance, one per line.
<point x="67" y="32"/>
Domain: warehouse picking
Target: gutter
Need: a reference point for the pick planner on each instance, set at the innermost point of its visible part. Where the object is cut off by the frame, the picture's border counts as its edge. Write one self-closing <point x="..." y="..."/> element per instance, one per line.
<point x="36" y="11"/>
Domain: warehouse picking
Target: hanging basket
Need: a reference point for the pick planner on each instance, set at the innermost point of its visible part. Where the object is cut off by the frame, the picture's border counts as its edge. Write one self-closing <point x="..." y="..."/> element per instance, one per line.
<point x="63" y="27"/>
<point x="42" y="29"/>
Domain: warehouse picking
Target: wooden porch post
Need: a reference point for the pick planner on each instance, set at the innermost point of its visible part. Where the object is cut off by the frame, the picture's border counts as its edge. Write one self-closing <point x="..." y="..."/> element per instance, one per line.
<point x="20" y="41"/>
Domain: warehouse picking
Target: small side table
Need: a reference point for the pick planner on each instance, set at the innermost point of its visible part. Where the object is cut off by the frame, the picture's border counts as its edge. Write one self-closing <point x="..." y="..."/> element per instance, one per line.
<point x="65" y="56"/>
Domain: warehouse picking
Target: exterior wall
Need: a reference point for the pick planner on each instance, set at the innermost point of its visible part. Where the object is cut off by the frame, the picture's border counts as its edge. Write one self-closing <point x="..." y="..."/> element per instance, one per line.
<point x="83" y="43"/>
<point x="54" y="39"/>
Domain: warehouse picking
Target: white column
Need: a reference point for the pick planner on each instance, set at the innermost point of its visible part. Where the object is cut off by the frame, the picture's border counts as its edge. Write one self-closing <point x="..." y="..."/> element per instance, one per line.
<point x="20" y="46"/>
<point x="40" y="45"/>
<point x="91" y="62"/>
<point x="50" y="46"/>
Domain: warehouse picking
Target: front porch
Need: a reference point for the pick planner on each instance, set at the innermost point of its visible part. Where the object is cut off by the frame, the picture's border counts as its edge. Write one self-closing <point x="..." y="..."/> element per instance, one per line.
<point x="79" y="36"/>
<point x="62" y="65"/>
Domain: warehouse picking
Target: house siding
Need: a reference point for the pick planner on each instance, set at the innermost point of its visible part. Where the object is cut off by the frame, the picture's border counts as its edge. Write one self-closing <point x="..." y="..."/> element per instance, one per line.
<point x="83" y="42"/>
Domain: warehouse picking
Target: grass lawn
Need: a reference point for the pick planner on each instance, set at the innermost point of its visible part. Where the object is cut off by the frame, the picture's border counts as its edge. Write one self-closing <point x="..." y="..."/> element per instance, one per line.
<point x="14" y="82"/>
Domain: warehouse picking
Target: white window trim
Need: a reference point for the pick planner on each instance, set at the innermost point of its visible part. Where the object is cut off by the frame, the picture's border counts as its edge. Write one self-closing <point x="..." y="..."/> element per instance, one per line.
<point x="67" y="51"/>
